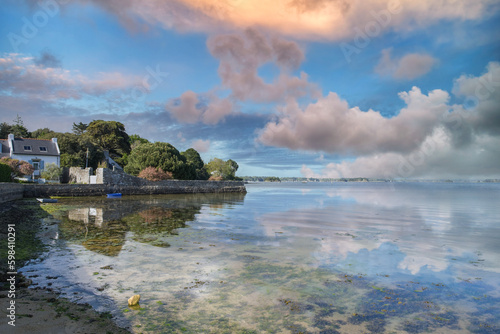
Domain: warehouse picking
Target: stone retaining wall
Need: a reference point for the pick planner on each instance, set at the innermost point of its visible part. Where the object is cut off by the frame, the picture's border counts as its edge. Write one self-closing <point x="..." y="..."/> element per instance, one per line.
<point x="164" y="187"/>
<point x="11" y="191"/>
<point x="109" y="181"/>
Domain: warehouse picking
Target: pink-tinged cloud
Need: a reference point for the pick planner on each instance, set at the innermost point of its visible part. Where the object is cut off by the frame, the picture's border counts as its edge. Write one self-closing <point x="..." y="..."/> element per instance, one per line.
<point x="305" y="19"/>
<point x="330" y="125"/>
<point x="242" y="54"/>
<point x="201" y="146"/>
<point x="185" y="108"/>
<point x="463" y="142"/>
<point x="191" y="108"/>
<point x="408" y="67"/>
<point x="20" y="76"/>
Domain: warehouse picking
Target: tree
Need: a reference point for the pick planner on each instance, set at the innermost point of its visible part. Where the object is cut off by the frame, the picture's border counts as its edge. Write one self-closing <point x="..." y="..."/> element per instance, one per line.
<point x="74" y="150"/>
<point x="109" y="135"/>
<point x="162" y="155"/>
<point x="18" y="128"/>
<point x="45" y="132"/>
<point x="80" y="128"/>
<point x="5" y="130"/>
<point x="220" y="168"/>
<point x="52" y="172"/>
<point x="136" y="140"/>
<point x="194" y="159"/>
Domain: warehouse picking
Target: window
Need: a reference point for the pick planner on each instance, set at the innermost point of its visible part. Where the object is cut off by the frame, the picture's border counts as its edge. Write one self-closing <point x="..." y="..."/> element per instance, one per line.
<point x="43" y="149"/>
<point x="27" y="148"/>
<point x="36" y="165"/>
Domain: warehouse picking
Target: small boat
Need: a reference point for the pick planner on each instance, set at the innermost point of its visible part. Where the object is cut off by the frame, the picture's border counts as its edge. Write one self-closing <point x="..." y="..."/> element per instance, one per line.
<point x="47" y="200"/>
<point x="114" y="195"/>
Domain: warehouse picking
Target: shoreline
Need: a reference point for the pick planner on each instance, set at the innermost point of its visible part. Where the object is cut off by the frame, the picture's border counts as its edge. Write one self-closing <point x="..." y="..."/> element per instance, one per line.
<point x="39" y="310"/>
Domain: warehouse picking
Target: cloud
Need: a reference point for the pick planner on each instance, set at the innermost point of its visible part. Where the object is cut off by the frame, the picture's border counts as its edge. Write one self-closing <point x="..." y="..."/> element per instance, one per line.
<point x="306" y="19"/>
<point x="241" y="56"/>
<point x="47" y="59"/>
<point x="408" y="67"/>
<point x="33" y="78"/>
<point x="329" y="125"/>
<point x="191" y="108"/>
<point x="185" y="108"/>
<point x="429" y="137"/>
<point x="201" y="146"/>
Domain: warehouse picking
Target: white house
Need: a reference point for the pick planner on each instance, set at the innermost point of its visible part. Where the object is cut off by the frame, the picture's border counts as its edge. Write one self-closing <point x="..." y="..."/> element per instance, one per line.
<point x="38" y="152"/>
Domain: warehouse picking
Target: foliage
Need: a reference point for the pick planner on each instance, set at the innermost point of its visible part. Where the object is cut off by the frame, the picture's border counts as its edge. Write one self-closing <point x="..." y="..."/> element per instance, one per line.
<point x="162" y="155"/>
<point x="74" y="150"/>
<point x="52" y="172"/>
<point x="194" y="158"/>
<point x="19" y="168"/>
<point x="5" y="173"/>
<point x="154" y="174"/>
<point x="5" y="129"/>
<point x="80" y="128"/>
<point x="18" y="128"/>
<point x="136" y="140"/>
<point x="39" y="133"/>
<point x="109" y="135"/>
<point x="272" y="179"/>
<point x="215" y="178"/>
<point x="224" y="169"/>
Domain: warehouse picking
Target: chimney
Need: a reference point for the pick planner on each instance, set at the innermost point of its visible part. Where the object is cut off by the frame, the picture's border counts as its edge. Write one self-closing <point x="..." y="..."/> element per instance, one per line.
<point x="11" y="137"/>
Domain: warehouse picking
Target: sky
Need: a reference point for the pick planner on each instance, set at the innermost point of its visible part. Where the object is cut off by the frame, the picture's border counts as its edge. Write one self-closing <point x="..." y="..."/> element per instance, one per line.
<point x="311" y="88"/>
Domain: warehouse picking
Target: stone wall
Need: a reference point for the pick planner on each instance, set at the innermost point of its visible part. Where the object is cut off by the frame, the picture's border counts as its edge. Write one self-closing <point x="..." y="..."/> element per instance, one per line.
<point x="11" y="191"/>
<point x="109" y="181"/>
<point x="163" y="187"/>
<point x="119" y="177"/>
<point x="80" y="175"/>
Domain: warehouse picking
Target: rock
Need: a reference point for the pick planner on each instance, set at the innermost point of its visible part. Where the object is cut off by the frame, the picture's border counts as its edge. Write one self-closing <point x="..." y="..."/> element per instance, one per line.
<point x="134" y="300"/>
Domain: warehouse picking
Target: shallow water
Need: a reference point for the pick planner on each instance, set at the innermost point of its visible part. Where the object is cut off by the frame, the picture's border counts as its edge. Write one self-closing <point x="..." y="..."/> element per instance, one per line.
<point x="285" y="258"/>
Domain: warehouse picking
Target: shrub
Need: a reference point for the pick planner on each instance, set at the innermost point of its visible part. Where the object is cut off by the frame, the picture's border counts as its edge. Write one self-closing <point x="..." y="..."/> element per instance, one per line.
<point x="215" y="178"/>
<point x="154" y="174"/>
<point x="5" y="173"/>
<point x="52" y="172"/>
<point x="19" y="168"/>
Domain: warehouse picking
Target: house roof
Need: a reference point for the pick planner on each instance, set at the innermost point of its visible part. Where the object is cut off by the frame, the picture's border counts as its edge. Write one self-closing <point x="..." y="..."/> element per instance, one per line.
<point x="28" y="146"/>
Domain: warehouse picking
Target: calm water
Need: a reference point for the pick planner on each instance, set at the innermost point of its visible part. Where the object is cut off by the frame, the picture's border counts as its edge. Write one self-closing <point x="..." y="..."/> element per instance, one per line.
<point x="285" y="258"/>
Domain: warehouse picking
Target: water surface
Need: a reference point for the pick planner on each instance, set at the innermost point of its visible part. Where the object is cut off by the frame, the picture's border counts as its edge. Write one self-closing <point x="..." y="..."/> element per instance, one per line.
<point x="285" y="258"/>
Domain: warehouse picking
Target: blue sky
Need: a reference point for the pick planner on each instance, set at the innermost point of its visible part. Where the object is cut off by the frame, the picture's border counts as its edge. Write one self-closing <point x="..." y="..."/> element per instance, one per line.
<point x="312" y="88"/>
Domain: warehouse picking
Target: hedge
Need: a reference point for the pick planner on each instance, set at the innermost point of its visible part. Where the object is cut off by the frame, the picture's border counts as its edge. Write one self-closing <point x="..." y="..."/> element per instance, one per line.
<point x="5" y="173"/>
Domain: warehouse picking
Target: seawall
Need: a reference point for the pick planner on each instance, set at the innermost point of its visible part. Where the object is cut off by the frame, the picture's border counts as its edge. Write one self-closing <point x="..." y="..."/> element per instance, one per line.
<point x="9" y="191"/>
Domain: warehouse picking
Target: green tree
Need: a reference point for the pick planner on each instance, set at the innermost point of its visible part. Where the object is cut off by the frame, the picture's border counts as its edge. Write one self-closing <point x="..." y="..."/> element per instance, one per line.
<point x="224" y="169"/>
<point x="159" y="155"/>
<point x="18" y="128"/>
<point x="45" y="132"/>
<point x="136" y="140"/>
<point x="52" y="172"/>
<point x="5" y="130"/>
<point x="194" y="159"/>
<point x="74" y="150"/>
<point x="80" y="128"/>
<point x="109" y="135"/>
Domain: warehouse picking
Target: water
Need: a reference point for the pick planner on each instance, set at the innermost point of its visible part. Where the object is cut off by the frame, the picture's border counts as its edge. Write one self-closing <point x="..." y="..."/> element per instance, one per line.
<point x="285" y="258"/>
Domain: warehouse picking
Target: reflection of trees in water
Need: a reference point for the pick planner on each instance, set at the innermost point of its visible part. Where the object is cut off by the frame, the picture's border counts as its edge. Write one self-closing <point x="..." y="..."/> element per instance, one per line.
<point x="101" y="225"/>
<point x="152" y="225"/>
